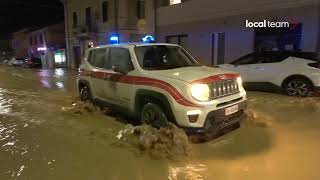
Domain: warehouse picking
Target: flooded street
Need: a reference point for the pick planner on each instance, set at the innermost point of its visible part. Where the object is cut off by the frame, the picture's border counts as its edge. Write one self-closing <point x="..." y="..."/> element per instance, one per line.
<point x="40" y="140"/>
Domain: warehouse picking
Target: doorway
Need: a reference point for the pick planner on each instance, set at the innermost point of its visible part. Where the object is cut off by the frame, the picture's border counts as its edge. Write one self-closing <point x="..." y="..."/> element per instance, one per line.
<point x="77" y="56"/>
<point x="217" y="48"/>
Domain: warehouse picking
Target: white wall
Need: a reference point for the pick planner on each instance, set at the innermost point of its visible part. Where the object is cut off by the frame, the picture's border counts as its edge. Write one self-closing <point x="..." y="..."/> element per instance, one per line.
<point x="196" y="10"/>
<point x="239" y="39"/>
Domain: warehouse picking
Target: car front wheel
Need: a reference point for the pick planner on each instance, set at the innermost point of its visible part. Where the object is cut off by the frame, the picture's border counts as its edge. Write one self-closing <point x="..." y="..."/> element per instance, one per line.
<point x="85" y="94"/>
<point x="152" y="114"/>
<point x="298" y="87"/>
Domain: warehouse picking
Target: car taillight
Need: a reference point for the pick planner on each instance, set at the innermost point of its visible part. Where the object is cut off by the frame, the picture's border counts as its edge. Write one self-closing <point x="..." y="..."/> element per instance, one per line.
<point x="315" y="65"/>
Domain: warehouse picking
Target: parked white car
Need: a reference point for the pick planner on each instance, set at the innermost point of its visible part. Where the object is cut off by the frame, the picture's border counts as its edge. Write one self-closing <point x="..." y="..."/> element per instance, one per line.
<point x="295" y="73"/>
<point x="18" y="62"/>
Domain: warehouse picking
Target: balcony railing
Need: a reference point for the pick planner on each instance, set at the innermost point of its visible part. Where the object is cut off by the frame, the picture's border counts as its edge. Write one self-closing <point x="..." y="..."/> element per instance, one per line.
<point x="84" y="30"/>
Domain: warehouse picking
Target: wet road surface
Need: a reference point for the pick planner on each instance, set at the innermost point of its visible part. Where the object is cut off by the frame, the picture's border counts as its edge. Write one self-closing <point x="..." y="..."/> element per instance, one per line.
<point x="38" y="140"/>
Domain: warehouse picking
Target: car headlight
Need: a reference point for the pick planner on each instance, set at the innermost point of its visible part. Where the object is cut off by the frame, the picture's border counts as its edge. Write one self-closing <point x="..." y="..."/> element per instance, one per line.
<point x="200" y="92"/>
<point x="239" y="81"/>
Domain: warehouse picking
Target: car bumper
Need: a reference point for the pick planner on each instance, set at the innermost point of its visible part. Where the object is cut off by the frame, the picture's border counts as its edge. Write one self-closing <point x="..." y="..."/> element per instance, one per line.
<point x="217" y="120"/>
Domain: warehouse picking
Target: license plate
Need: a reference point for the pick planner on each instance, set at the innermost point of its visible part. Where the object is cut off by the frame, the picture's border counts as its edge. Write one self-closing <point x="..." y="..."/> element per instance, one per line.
<point x="231" y="110"/>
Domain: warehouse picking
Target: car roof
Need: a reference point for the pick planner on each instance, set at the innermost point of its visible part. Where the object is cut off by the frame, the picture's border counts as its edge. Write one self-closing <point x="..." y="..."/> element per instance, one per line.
<point x="137" y="44"/>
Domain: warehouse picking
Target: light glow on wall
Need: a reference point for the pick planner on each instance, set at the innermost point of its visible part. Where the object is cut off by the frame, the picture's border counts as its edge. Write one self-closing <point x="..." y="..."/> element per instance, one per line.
<point x="60" y="57"/>
<point x="175" y="2"/>
<point x="42" y="49"/>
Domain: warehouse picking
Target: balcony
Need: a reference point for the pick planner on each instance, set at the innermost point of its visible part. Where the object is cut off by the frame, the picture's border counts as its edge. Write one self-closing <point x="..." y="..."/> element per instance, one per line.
<point x="84" y="31"/>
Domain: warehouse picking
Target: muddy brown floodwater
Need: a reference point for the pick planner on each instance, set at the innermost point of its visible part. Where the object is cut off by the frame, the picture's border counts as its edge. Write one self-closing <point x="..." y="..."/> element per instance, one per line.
<point x="41" y="139"/>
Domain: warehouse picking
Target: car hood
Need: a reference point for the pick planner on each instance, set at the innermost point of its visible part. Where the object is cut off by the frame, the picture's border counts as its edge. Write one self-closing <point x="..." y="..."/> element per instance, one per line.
<point x="299" y="60"/>
<point x="190" y="74"/>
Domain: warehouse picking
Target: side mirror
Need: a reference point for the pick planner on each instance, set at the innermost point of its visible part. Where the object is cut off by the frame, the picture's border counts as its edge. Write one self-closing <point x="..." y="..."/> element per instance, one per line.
<point x="118" y="69"/>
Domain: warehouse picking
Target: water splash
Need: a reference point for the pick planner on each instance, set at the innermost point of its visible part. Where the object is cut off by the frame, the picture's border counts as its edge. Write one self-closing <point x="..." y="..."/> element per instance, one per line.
<point x="167" y="142"/>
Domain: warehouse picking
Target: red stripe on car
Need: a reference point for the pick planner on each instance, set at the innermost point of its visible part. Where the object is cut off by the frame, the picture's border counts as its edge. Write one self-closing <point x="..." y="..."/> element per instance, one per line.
<point x="144" y="81"/>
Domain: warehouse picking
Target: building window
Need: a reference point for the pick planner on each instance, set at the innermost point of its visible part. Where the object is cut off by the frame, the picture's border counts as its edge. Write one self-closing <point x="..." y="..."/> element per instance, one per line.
<point x="31" y="41"/>
<point x="75" y="19"/>
<point x="181" y="40"/>
<point x="88" y="16"/>
<point x="105" y="8"/>
<point x="141" y="9"/>
<point x="41" y="39"/>
<point x="35" y="40"/>
<point x="175" y="2"/>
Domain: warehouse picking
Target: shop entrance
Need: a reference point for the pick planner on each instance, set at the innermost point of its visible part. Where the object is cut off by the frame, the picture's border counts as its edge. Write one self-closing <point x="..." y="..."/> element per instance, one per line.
<point x="278" y="39"/>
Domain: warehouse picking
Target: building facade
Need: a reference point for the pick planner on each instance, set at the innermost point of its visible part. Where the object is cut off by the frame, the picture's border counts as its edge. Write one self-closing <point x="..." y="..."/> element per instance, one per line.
<point x="47" y="43"/>
<point x="94" y="22"/>
<point x="19" y="43"/>
<point x="215" y="32"/>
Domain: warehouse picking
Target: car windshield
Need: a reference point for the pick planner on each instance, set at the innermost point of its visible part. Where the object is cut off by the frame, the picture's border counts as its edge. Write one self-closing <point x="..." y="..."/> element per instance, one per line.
<point x="163" y="57"/>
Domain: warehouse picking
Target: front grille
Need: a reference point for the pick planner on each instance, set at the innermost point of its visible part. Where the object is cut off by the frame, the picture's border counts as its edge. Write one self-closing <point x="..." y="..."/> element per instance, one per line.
<point x="223" y="88"/>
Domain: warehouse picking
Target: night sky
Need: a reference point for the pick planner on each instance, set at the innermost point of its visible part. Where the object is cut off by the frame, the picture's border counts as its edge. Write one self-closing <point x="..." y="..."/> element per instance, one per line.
<point x="19" y="14"/>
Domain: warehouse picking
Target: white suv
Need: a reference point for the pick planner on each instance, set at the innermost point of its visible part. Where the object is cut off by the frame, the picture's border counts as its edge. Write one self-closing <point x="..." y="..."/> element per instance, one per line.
<point x="296" y="73"/>
<point x="160" y="83"/>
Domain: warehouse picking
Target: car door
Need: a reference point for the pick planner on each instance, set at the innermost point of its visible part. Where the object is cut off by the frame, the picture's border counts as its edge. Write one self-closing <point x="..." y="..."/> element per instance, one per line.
<point x="246" y="67"/>
<point x="121" y="84"/>
<point x="268" y="66"/>
<point x="99" y="82"/>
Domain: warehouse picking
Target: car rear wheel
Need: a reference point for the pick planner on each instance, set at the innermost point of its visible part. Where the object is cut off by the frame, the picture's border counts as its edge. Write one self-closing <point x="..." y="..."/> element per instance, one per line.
<point x="298" y="87"/>
<point x="85" y="94"/>
<point x="152" y="114"/>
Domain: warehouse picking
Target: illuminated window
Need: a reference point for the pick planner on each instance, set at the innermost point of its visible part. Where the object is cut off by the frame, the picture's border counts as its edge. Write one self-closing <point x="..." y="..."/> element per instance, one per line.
<point x="175" y="2"/>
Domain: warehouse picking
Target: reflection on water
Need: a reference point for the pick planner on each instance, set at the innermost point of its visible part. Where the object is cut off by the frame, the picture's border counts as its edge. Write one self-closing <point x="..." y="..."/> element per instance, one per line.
<point x="5" y="105"/>
<point x="45" y="77"/>
<point x="188" y="172"/>
<point x="58" y="72"/>
<point x="60" y="85"/>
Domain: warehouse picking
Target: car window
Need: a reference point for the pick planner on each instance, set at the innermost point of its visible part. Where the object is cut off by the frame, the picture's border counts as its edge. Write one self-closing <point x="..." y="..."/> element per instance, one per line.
<point x="272" y="57"/>
<point x="161" y="57"/>
<point x="90" y="56"/>
<point x="121" y="58"/>
<point x="99" y="58"/>
<point x="279" y="57"/>
<point x="248" y="59"/>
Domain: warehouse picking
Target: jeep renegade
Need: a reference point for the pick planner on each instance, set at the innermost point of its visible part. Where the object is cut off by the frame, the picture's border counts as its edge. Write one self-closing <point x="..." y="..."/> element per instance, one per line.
<point x="160" y="83"/>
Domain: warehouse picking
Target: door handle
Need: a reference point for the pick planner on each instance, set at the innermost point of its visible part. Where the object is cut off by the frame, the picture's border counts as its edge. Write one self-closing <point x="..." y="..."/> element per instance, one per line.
<point x="90" y="74"/>
<point x="259" y="68"/>
<point x="108" y="78"/>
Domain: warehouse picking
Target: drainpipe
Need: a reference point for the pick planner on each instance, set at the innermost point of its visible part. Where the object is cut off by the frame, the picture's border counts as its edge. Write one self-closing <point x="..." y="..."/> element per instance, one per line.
<point x="155" y="19"/>
<point x="66" y="24"/>
<point x="116" y="14"/>
<point x="318" y="42"/>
